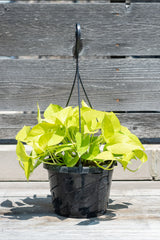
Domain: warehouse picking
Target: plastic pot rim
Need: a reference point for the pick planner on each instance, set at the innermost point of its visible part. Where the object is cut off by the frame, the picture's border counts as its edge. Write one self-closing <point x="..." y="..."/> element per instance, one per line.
<point x="78" y="170"/>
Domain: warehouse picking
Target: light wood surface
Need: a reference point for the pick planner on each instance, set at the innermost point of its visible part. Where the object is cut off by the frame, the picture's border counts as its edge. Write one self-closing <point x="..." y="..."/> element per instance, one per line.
<point x="26" y="213"/>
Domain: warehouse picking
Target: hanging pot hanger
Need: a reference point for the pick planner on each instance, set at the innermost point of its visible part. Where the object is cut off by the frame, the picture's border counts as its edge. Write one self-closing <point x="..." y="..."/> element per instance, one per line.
<point x="76" y="50"/>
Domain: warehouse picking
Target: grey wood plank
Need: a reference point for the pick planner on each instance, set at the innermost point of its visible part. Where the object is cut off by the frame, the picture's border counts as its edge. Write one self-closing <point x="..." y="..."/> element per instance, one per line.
<point x="70" y="1"/>
<point x="107" y="29"/>
<point x="144" y="125"/>
<point x="112" y="84"/>
<point x="138" y="1"/>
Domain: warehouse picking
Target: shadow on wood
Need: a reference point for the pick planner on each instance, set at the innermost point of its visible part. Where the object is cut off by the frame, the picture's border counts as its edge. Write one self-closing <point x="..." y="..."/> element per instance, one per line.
<point x="28" y="208"/>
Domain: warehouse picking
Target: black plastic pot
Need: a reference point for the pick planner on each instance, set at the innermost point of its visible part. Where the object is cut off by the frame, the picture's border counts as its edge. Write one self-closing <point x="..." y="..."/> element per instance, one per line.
<point x="81" y="193"/>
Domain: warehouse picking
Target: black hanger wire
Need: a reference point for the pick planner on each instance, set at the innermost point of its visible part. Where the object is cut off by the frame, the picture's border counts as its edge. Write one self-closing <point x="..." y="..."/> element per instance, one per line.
<point x="76" y="50"/>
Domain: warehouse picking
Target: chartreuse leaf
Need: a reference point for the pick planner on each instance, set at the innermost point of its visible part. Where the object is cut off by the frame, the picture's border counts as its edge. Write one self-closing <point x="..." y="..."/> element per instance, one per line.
<point x="122" y="148"/>
<point x="107" y="128"/>
<point x="39" y="130"/>
<point x="51" y="110"/>
<point x="84" y="105"/>
<point x="122" y="138"/>
<point x="35" y="159"/>
<point x="75" y="112"/>
<point x="141" y="155"/>
<point x="125" y="130"/>
<point x="118" y="138"/>
<point x="90" y="114"/>
<point x="43" y="140"/>
<point x="91" y="127"/>
<point x="64" y="114"/>
<point x="51" y="139"/>
<point x="25" y="160"/>
<point x="106" y="155"/>
<point x="115" y="121"/>
<point x="110" y="125"/>
<point x="54" y="112"/>
<point x="82" y="143"/>
<point x="135" y="140"/>
<point x="136" y="154"/>
<point x="93" y="152"/>
<point x="48" y="127"/>
<point x="125" y="159"/>
<point x="132" y="137"/>
<point x="23" y="133"/>
<point x="72" y="122"/>
<point x="21" y="153"/>
<point x="70" y="161"/>
<point x="103" y="157"/>
<point x="71" y="134"/>
<point x="36" y="147"/>
<point x="55" y="139"/>
<point x="63" y="148"/>
<point x="78" y="140"/>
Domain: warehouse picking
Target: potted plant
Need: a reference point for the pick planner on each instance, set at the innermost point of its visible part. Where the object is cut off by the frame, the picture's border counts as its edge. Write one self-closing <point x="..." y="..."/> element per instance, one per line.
<point x="80" y="164"/>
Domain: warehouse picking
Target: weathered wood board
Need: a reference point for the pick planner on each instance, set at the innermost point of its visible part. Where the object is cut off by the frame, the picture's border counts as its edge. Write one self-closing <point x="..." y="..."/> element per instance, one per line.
<point x="133" y="213"/>
<point x="112" y="84"/>
<point x="144" y="125"/>
<point x="107" y="28"/>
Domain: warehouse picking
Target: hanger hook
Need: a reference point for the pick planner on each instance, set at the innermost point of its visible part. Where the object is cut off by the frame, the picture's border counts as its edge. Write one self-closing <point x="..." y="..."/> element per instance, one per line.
<point x="78" y="45"/>
<point x="78" y="31"/>
<point x="128" y="3"/>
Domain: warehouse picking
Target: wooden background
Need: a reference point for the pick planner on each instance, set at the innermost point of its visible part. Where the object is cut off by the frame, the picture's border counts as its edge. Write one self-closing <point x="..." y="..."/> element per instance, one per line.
<point x="119" y="64"/>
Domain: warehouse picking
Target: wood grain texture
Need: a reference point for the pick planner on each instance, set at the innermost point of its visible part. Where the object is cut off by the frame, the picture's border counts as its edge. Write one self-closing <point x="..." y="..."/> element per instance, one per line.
<point x="138" y="1"/>
<point x="133" y="213"/>
<point x="144" y="125"/>
<point x="112" y="84"/>
<point x="70" y="1"/>
<point x="107" y="29"/>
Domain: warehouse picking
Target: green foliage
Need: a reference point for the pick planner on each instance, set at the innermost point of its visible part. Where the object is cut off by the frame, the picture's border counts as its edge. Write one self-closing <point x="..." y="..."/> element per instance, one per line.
<point x="56" y="140"/>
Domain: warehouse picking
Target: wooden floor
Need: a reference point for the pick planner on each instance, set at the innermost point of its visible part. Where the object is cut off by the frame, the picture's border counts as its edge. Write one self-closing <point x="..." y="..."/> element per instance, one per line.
<point x="133" y="214"/>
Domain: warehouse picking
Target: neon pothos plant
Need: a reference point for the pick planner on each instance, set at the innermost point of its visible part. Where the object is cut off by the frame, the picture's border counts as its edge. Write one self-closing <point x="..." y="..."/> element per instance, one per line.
<point x="56" y="140"/>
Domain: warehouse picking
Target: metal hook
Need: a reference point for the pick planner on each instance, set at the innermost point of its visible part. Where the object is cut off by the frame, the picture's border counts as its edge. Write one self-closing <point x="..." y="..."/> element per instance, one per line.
<point x="128" y="3"/>
<point x="78" y="31"/>
<point x="76" y="50"/>
<point x="78" y="44"/>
